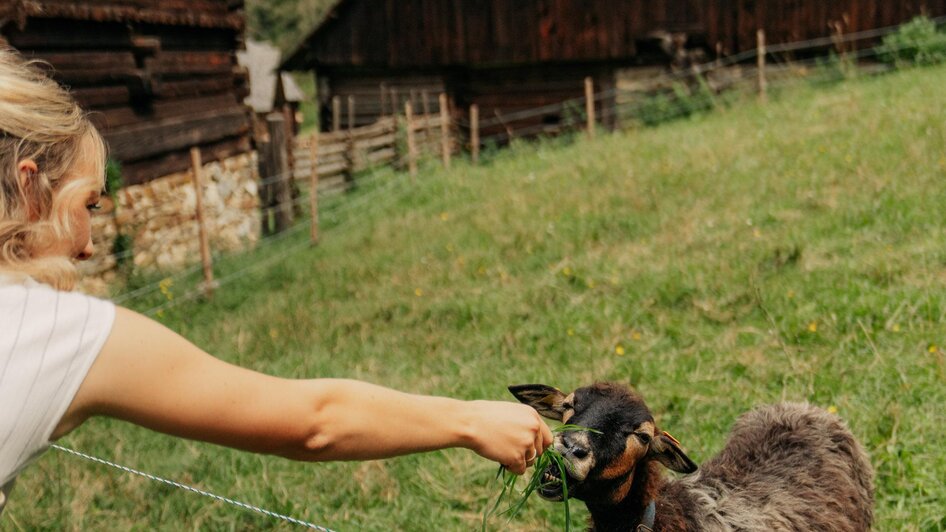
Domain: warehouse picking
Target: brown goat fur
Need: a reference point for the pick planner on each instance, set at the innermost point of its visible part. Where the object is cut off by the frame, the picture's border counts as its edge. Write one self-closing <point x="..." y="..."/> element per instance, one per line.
<point x="785" y="467"/>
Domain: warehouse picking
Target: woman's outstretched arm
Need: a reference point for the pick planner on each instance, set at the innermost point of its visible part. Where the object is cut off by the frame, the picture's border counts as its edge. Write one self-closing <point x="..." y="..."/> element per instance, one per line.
<point x="151" y="376"/>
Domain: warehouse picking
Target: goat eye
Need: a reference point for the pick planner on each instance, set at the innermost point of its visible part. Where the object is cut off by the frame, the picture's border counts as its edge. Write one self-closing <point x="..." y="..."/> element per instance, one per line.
<point x="568" y="406"/>
<point x="643" y="437"/>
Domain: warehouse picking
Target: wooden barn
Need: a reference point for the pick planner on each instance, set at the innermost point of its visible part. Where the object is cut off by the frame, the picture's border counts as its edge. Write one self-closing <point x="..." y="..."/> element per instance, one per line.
<point x="160" y="75"/>
<point x="511" y="55"/>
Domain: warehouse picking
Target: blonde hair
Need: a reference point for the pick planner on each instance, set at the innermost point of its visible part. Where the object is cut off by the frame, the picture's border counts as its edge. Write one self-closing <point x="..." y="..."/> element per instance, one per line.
<point x="40" y="120"/>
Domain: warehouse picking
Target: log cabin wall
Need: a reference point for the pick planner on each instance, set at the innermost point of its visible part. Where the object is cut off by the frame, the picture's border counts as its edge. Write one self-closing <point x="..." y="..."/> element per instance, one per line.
<point x="378" y="93"/>
<point x="399" y="34"/>
<point x="158" y="76"/>
<point x="733" y="23"/>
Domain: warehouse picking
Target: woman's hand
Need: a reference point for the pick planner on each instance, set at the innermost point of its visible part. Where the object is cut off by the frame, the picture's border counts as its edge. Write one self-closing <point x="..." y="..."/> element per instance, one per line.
<point x="508" y="433"/>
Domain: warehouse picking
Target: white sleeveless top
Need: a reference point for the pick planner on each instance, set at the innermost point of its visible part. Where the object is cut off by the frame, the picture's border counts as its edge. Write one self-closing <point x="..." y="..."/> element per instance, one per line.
<point x="48" y="342"/>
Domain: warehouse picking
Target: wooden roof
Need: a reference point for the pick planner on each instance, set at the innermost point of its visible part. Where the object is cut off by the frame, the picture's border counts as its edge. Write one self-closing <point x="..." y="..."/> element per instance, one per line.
<point x="200" y="13"/>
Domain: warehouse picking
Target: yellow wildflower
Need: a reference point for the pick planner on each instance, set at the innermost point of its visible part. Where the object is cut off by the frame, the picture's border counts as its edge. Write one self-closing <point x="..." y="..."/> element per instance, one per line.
<point x="444" y="216"/>
<point x="571" y="332"/>
<point x="418" y="292"/>
<point x="832" y="409"/>
<point x="619" y="350"/>
<point x="813" y="327"/>
<point x="933" y="348"/>
<point x="567" y="272"/>
<point x="635" y="335"/>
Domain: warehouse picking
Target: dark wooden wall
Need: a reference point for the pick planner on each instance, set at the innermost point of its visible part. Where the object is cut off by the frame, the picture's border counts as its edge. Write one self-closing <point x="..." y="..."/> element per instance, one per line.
<point x="370" y="104"/>
<point x="424" y="33"/>
<point x="733" y="23"/>
<point x="157" y="76"/>
<point x="438" y="33"/>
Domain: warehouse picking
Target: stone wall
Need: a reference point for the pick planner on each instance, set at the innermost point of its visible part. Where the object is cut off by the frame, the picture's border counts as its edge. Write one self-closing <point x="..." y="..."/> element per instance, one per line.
<point x="160" y="219"/>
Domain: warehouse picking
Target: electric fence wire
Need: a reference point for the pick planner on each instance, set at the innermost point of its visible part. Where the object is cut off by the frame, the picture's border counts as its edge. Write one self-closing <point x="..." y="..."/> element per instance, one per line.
<point x="219" y="498"/>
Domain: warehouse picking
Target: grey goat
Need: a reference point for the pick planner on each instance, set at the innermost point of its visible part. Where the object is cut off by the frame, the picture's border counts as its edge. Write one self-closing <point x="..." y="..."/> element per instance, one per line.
<point x="785" y="467"/>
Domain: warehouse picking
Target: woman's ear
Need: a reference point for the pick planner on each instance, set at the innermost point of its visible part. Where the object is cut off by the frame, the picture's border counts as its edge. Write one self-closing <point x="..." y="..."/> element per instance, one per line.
<point x="27" y="170"/>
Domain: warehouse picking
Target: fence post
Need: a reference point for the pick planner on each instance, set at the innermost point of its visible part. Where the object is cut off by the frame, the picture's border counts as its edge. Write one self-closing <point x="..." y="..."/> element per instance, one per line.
<point x="336" y="113"/>
<point x="350" y="154"/>
<point x="196" y="165"/>
<point x="384" y="100"/>
<point x="763" y="84"/>
<point x="351" y="113"/>
<point x="279" y="163"/>
<point x="314" y="186"/>
<point x="395" y="102"/>
<point x="445" y="130"/>
<point x="590" y="105"/>
<point x="837" y="35"/>
<point x="411" y="141"/>
<point x="425" y="100"/>
<point x="475" y="133"/>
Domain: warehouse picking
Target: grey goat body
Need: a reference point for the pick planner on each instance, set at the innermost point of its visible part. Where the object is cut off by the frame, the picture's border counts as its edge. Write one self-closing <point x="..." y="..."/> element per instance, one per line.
<point x="785" y="467"/>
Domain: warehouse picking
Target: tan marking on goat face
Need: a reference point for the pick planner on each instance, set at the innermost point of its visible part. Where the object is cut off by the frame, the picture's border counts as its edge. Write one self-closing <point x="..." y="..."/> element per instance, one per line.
<point x="634" y="450"/>
<point x="568" y="412"/>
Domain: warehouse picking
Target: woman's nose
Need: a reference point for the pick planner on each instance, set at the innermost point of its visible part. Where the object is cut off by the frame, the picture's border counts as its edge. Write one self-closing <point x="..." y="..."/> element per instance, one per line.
<point x="87" y="251"/>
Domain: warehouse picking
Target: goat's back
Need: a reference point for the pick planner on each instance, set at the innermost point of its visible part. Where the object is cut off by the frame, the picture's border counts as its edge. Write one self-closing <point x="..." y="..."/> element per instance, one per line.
<point x="785" y="467"/>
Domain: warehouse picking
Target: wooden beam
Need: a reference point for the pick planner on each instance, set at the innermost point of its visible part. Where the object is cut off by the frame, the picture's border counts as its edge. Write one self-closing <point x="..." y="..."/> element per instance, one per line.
<point x="148" y="140"/>
<point x="142" y="171"/>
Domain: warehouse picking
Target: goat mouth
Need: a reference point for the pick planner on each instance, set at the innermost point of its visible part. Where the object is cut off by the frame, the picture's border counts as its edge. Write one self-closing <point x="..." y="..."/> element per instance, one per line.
<point x="554" y="484"/>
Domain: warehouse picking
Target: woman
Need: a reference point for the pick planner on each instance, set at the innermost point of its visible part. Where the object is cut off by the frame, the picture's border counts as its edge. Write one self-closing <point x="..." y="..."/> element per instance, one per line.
<point x="65" y="357"/>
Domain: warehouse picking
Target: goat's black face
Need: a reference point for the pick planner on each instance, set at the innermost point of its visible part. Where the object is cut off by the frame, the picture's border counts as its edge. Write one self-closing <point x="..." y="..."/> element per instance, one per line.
<point x="600" y="462"/>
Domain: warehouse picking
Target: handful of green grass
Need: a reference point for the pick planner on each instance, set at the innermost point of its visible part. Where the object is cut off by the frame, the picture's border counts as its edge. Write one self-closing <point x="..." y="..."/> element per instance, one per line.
<point x="542" y="463"/>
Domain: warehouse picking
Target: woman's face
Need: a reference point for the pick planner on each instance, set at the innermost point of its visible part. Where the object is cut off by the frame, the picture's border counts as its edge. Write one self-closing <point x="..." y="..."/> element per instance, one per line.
<point x="82" y="187"/>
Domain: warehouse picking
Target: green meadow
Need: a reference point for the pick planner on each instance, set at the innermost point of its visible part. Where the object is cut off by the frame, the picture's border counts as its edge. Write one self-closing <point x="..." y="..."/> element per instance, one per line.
<point x="792" y="251"/>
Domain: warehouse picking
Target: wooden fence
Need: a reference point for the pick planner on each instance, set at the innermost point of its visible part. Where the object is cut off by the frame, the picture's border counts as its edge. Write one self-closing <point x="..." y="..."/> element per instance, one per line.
<point x="342" y="153"/>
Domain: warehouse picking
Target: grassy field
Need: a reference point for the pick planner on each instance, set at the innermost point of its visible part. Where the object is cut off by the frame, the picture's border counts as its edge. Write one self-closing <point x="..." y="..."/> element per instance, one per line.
<point x="795" y="251"/>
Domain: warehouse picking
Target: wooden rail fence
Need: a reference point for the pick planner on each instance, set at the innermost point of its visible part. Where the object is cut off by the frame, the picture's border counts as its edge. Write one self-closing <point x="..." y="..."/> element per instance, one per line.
<point x="342" y="153"/>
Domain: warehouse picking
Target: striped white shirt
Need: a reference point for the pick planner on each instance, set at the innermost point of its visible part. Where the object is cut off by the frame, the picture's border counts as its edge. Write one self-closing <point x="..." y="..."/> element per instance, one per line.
<point x="48" y="342"/>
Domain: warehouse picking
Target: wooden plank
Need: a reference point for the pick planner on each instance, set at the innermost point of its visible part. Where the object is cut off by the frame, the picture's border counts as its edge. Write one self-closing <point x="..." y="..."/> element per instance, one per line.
<point x="190" y="63"/>
<point x="127" y="115"/>
<point x="101" y="96"/>
<point x="68" y="61"/>
<point x="194" y="86"/>
<point x="68" y="35"/>
<point x="139" y="142"/>
<point x="137" y="172"/>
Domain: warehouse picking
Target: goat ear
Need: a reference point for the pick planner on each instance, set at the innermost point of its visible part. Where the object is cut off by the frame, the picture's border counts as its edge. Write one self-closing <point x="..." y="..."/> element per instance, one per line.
<point x="666" y="449"/>
<point x="546" y="400"/>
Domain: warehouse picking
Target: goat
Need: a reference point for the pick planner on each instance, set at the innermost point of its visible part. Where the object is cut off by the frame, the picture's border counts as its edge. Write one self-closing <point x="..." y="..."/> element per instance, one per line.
<point x="785" y="467"/>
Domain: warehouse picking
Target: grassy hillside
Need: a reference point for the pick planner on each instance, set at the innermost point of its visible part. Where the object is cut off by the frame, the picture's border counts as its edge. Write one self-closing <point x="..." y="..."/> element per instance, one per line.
<point x="795" y="251"/>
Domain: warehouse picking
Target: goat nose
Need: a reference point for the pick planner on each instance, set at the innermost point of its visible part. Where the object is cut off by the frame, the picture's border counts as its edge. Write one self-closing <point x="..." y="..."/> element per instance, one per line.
<point x="575" y="448"/>
<point x="579" y="452"/>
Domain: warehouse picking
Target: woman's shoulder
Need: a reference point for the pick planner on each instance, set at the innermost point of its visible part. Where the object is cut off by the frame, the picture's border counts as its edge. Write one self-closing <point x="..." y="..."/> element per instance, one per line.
<point x="21" y="294"/>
